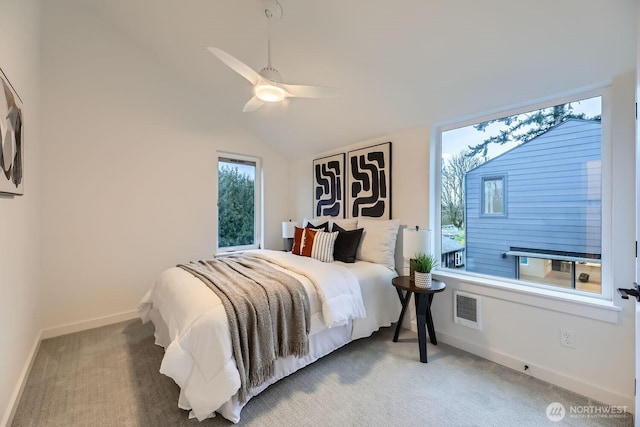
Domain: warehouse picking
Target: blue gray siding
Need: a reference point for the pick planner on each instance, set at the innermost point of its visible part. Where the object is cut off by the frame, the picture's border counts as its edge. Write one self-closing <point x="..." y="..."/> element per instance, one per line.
<point x="553" y="199"/>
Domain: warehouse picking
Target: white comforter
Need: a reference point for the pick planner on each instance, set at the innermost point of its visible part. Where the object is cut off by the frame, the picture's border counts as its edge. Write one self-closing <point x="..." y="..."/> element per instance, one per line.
<point x="199" y="357"/>
<point x="337" y="287"/>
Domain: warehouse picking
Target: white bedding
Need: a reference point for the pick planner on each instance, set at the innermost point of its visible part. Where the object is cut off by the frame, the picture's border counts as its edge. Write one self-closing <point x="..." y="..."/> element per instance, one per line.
<point x="191" y="324"/>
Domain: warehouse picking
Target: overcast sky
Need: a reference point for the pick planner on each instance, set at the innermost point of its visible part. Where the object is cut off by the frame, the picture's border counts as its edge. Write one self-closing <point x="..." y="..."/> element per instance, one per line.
<point x="248" y="170"/>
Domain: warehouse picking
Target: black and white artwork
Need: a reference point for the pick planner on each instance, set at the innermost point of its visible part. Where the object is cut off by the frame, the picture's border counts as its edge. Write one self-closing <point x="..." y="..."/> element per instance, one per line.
<point x="369" y="182"/>
<point x="328" y="186"/>
<point x="11" y="139"/>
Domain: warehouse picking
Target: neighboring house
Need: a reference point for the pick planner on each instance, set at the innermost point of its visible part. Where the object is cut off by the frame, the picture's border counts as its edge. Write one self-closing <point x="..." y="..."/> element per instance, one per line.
<point x="534" y="212"/>
<point x="452" y="253"/>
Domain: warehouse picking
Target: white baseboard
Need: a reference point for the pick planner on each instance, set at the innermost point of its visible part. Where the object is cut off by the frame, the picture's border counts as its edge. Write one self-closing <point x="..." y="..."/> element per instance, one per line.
<point x="7" y="418"/>
<point x="575" y="385"/>
<point x="83" y="325"/>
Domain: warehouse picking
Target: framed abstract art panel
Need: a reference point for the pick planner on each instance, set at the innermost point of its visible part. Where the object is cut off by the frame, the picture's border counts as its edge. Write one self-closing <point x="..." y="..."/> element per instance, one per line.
<point x="369" y="182"/>
<point x="328" y="186"/>
<point x="11" y="139"/>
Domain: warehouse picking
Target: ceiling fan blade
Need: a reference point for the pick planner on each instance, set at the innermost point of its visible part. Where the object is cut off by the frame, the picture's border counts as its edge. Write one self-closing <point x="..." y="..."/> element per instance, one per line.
<point x="236" y="65"/>
<point x="253" y="104"/>
<point x="307" y="91"/>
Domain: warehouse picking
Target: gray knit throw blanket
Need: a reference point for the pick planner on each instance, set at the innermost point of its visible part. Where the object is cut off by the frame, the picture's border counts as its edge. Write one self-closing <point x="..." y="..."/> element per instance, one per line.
<point x="268" y="313"/>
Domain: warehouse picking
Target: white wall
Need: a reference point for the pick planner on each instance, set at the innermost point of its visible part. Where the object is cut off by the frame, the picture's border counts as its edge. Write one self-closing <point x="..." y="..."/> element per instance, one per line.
<point x="125" y="190"/>
<point x="130" y="171"/>
<point x="535" y="267"/>
<point x="601" y="366"/>
<point x="19" y="221"/>
<point x="410" y="169"/>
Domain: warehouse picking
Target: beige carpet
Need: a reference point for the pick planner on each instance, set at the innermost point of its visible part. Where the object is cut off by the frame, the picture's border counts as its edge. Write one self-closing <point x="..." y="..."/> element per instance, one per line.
<point x="109" y="377"/>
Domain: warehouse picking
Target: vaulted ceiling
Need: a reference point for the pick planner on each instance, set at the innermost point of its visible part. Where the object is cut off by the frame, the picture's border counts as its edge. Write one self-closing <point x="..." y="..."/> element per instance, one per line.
<point x="397" y="64"/>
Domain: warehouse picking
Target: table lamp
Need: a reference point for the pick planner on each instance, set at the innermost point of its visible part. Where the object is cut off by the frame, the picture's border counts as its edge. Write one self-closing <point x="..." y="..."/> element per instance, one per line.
<point x="414" y="241"/>
<point x="288" y="232"/>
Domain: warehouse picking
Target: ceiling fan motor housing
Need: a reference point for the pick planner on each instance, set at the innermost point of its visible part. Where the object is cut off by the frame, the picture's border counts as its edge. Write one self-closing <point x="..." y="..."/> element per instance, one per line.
<point x="272" y="9"/>
<point x="271" y="73"/>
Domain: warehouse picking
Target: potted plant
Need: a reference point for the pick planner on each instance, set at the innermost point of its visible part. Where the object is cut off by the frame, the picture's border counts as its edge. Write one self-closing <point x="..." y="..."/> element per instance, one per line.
<point x="422" y="266"/>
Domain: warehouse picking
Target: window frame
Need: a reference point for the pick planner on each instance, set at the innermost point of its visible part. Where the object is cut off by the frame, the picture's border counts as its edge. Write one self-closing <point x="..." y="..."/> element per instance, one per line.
<point x="258" y="207"/>
<point x="605" y="298"/>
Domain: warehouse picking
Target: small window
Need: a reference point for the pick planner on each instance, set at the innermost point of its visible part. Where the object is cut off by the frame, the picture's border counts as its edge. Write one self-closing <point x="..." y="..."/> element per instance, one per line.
<point x="459" y="261"/>
<point x="524" y="260"/>
<point x="239" y="214"/>
<point x="493" y="196"/>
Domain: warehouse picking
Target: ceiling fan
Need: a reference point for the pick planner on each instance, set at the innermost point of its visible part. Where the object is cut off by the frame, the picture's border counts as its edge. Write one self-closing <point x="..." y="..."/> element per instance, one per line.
<point x="267" y="84"/>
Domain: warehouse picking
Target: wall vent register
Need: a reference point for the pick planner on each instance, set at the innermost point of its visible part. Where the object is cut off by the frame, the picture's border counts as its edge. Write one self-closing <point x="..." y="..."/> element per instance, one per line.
<point x="467" y="310"/>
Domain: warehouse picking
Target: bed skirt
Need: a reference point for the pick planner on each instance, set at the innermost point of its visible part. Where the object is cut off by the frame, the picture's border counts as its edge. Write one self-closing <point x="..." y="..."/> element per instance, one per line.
<point x="320" y="344"/>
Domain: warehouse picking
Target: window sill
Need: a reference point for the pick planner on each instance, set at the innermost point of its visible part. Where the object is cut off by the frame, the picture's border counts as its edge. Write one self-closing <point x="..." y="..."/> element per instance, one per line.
<point x="234" y="252"/>
<point x="577" y="305"/>
<point x="231" y="250"/>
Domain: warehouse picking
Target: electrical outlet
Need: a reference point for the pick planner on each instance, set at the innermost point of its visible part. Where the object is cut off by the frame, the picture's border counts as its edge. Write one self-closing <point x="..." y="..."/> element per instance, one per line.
<point x="568" y="338"/>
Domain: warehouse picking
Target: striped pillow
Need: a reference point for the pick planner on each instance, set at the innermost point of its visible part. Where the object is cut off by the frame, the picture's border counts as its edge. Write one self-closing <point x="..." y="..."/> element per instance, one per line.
<point x="323" y="244"/>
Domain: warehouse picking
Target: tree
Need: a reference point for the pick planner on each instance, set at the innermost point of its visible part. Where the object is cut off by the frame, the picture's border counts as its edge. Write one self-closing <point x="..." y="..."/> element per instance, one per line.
<point x="524" y="127"/>
<point x="453" y="186"/>
<point x="236" y="207"/>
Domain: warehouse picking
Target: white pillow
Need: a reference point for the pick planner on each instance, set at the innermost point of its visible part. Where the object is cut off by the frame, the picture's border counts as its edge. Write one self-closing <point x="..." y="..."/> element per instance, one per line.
<point x="347" y="224"/>
<point x="378" y="243"/>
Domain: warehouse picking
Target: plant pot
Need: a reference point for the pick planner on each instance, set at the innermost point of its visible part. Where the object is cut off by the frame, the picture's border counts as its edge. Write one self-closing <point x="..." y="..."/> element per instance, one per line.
<point x="422" y="280"/>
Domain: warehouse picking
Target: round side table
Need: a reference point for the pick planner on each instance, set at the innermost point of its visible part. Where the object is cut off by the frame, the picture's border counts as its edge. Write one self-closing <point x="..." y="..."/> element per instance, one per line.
<point x="423" y="299"/>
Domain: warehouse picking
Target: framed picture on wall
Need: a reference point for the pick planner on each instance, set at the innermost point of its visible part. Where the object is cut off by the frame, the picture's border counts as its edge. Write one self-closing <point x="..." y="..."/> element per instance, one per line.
<point x="369" y="182"/>
<point x="11" y="139"/>
<point x="328" y="186"/>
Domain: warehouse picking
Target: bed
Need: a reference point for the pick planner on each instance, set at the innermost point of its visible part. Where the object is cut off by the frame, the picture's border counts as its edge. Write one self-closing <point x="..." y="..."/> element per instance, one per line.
<point x="191" y="324"/>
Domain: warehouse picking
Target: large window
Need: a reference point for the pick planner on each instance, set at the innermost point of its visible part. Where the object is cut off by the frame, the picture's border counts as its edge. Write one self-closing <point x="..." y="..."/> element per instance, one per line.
<point x="238" y="202"/>
<point x="524" y="192"/>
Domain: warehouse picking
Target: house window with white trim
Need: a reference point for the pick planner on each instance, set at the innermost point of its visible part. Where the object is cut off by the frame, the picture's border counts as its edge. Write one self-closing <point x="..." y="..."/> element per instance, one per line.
<point x="544" y="227"/>
<point x="239" y="207"/>
<point x="493" y="195"/>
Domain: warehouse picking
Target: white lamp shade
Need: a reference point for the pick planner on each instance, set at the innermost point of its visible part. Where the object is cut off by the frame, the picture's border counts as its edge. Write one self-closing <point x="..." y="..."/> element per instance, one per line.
<point x="289" y="229"/>
<point x="414" y="241"/>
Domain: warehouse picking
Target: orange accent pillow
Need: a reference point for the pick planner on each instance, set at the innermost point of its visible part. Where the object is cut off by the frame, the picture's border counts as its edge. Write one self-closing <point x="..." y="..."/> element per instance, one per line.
<point x="307" y="245"/>
<point x="297" y="241"/>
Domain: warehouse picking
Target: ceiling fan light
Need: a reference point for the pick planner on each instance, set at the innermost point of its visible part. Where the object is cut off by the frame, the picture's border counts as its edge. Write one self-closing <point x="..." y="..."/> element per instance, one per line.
<point x="269" y="93"/>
